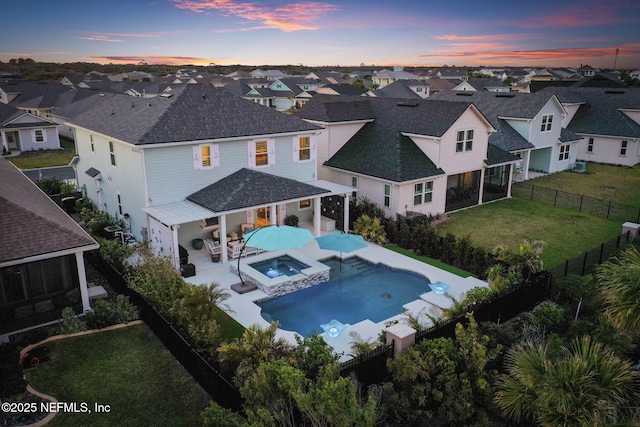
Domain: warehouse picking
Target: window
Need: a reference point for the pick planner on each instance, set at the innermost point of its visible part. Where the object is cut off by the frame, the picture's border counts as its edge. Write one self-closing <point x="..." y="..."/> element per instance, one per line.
<point x="38" y="135"/>
<point x="206" y="156"/>
<point x="354" y="184"/>
<point x="564" y="152"/>
<point x="262" y="155"/>
<point x="464" y="141"/>
<point x="422" y="193"/>
<point x="590" y="146"/>
<point x="304" y="204"/>
<point x="546" y="123"/>
<point x="120" y="211"/>
<point x="304" y="148"/>
<point x="418" y="89"/>
<point x="112" y="153"/>
<point x="623" y="148"/>
<point x="387" y="195"/>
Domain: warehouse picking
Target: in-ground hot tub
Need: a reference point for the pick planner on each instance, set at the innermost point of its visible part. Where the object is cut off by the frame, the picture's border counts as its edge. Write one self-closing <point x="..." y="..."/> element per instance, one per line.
<point x="278" y="273"/>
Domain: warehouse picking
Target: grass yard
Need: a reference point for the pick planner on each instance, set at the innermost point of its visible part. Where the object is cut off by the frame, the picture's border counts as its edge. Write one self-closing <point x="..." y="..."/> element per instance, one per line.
<point x="615" y="183"/>
<point x="46" y="158"/>
<point x="566" y="233"/>
<point x="127" y="369"/>
<point x="434" y="262"/>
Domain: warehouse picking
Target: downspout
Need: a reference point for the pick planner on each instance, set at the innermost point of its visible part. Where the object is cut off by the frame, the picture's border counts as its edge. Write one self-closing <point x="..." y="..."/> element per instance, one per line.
<point x="174" y="246"/>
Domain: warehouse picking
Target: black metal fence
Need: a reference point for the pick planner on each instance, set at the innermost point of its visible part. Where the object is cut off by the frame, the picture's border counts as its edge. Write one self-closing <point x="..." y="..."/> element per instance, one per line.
<point x="587" y="262"/>
<point x="369" y="367"/>
<point x="206" y="372"/>
<point x="590" y="205"/>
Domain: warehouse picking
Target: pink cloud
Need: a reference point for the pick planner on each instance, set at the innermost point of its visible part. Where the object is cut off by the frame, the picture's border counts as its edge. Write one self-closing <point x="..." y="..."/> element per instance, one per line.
<point x="483" y="38"/>
<point x="171" y="60"/>
<point x="283" y="16"/>
<point x="587" y="14"/>
<point x="540" y="55"/>
<point x="101" y="39"/>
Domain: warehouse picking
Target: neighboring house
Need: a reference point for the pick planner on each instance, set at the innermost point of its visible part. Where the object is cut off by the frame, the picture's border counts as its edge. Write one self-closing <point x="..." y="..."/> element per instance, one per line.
<point x="22" y="131"/>
<point x="42" y="261"/>
<point x="267" y="74"/>
<point x="529" y="125"/>
<point x="607" y="119"/>
<point x="326" y="77"/>
<point x="340" y="89"/>
<point x="386" y="77"/>
<point x="202" y="160"/>
<point x="410" y="155"/>
<point x="586" y="71"/>
<point x="487" y="85"/>
<point x="405" y="89"/>
<point x="635" y="74"/>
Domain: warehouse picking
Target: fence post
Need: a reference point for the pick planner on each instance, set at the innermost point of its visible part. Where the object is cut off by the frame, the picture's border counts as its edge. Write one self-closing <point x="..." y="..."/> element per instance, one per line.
<point x="609" y="209"/>
<point x="601" y="253"/>
<point x="555" y="198"/>
<point x="618" y="241"/>
<point x="581" y="200"/>
<point x="584" y="263"/>
<point x="566" y="267"/>
<point x="533" y="186"/>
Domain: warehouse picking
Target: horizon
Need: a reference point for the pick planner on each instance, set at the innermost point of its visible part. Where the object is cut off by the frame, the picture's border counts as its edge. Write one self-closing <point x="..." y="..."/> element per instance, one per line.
<point x="599" y="33"/>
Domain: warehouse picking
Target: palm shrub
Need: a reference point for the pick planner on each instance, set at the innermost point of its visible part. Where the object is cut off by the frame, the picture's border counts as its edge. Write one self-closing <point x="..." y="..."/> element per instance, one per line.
<point x="619" y="279"/>
<point x="370" y="229"/>
<point x="70" y="323"/>
<point x="586" y="384"/>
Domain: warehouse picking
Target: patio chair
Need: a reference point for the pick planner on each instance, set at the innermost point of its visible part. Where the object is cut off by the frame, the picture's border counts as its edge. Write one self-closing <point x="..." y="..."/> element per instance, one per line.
<point x="234" y="248"/>
<point x="246" y="228"/>
<point x="213" y="247"/>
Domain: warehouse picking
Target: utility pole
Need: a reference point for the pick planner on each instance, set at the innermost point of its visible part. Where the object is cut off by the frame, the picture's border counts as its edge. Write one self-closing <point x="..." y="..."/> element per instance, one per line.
<point x="616" y="59"/>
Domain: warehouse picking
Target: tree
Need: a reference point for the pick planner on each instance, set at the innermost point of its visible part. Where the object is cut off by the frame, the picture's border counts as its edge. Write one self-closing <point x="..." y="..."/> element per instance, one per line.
<point x="587" y="384"/>
<point x="620" y="285"/>
<point x="449" y="375"/>
<point x="256" y="346"/>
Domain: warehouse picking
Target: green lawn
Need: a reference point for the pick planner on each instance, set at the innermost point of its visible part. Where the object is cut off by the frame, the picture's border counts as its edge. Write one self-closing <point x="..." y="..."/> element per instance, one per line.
<point x="434" y="262"/>
<point x="46" y="158"/>
<point x="127" y="369"/>
<point x="566" y="233"/>
<point x="615" y="183"/>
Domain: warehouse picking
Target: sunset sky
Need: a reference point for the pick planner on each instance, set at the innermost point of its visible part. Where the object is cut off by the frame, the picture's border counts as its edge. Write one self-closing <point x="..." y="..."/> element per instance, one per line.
<point x="498" y="33"/>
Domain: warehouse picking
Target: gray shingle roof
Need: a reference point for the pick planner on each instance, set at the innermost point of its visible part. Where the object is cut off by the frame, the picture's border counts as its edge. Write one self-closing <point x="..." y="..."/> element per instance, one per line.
<point x="568" y="136"/>
<point x="193" y="113"/>
<point x="247" y="187"/>
<point x="496" y="156"/>
<point x="600" y="114"/>
<point x="389" y="154"/>
<point x="400" y="89"/>
<point x="31" y="224"/>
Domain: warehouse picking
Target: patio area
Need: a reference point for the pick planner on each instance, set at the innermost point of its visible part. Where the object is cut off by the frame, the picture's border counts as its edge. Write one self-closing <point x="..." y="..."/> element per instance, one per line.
<point x="247" y="313"/>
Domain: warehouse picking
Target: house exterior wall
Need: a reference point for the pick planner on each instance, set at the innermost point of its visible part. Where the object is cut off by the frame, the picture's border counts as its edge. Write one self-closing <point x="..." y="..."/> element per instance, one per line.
<point x="607" y="150"/>
<point x="571" y="110"/>
<point x="437" y="204"/>
<point x="549" y="138"/>
<point x="126" y="178"/>
<point x="453" y="162"/>
<point x="171" y="175"/>
<point x="28" y="140"/>
<point x="330" y="141"/>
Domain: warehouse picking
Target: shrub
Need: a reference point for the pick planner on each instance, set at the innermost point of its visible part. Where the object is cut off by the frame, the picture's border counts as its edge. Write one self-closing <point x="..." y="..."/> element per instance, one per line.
<point x="106" y="313"/>
<point x="547" y="316"/>
<point x="479" y="294"/>
<point x="115" y="252"/>
<point x="70" y="323"/>
<point x="13" y="381"/>
<point x="51" y="185"/>
<point x="371" y="229"/>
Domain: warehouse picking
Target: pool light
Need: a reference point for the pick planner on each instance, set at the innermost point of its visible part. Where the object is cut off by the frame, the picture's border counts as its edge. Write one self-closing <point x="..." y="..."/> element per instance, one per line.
<point x="333" y="328"/>
<point x="439" y="287"/>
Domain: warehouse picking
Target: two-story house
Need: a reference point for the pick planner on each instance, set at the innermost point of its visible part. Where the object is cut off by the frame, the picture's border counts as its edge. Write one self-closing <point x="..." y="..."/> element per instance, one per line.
<point x="406" y="156"/>
<point x="528" y="125"/>
<point x="607" y="118"/>
<point x="199" y="161"/>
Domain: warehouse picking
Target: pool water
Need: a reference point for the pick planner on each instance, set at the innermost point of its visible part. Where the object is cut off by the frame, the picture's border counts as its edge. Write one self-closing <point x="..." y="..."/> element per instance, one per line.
<point x="281" y="266"/>
<point x="362" y="291"/>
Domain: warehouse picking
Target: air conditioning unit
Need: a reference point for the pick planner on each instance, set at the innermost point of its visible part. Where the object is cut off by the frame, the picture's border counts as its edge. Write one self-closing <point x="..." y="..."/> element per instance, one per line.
<point x="580" y="167"/>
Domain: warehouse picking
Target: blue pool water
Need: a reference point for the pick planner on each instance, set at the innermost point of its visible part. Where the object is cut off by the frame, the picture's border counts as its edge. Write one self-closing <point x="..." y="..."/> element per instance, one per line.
<point x="284" y="265"/>
<point x="362" y="291"/>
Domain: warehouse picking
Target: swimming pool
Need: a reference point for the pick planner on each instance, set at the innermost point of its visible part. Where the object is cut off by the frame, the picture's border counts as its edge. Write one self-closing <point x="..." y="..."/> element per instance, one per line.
<point x="284" y="265"/>
<point x="363" y="291"/>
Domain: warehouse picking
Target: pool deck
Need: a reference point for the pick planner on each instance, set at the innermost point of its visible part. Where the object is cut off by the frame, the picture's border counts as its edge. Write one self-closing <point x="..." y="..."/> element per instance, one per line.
<point x="247" y="313"/>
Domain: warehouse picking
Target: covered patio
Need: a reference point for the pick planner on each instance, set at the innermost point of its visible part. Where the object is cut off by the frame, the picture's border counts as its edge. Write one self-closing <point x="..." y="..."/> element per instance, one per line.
<point x="213" y="220"/>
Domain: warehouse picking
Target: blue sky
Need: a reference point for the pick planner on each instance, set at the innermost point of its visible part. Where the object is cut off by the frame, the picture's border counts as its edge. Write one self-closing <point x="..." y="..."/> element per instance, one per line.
<point x="417" y="33"/>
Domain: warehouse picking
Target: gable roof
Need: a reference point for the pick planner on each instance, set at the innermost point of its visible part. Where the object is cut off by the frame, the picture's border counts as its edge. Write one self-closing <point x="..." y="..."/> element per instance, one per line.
<point x="389" y="154"/>
<point x="192" y="113"/>
<point x="247" y="188"/>
<point x="401" y="89"/>
<point x="600" y="113"/>
<point x="42" y="226"/>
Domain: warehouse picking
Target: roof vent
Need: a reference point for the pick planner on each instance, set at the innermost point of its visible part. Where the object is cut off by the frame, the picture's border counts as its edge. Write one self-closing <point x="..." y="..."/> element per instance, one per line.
<point x="464" y="93"/>
<point x="410" y="103"/>
<point x="505" y="95"/>
<point x="615" y="92"/>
